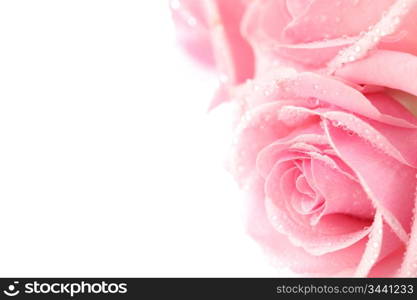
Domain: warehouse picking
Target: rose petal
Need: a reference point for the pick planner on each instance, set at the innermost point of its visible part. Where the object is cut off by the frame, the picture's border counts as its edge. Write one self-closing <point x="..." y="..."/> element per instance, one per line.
<point x="388" y="266"/>
<point x="283" y="253"/>
<point x="409" y="265"/>
<point x="307" y="85"/>
<point x="261" y="19"/>
<point x="405" y="39"/>
<point x="398" y="142"/>
<point x="322" y="20"/>
<point x="297" y="7"/>
<point x="234" y="56"/>
<point x="393" y="198"/>
<point x="258" y="128"/>
<point x="269" y="155"/>
<point x="330" y="235"/>
<point x="192" y="30"/>
<point x="396" y="70"/>
<point x="381" y="244"/>
<point x="373" y="248"/>
<point x="342" y="195"/>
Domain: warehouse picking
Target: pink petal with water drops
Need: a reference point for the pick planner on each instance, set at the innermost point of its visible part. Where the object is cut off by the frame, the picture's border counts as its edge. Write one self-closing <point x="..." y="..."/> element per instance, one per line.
<point x="341" y="18"/>
<point x="234" y="56"/>
<point x="409" y="265"/>
<point x="264" y="26"/>
<point x="391" y="69"/>
<point x="405" y="38"/>
<point x="310" y="55"/>
<point x="332" y="233"/>
<point x="192" y="30"/>
<point x="373" y="248"/>
<point x="335" y="92"/>
<point x="210" y="32"/>
<point x="270" y="154"/>
<point x="283" y="253"/>
<point x="342" y="194"/>
<point x="394" y="198"/>
<point x="382" y="245"/>
<point x="397" y="142"/>
<point x="387" y="105"/>
<point x="258" y="128"/>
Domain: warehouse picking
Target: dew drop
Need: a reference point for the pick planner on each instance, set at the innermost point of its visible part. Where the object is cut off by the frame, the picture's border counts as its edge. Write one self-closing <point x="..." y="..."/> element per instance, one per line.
<point x="314" y="101"/>
<point x="192" y="21"/>
<point x="336" y="123"/>
<point x="267" y="92"/>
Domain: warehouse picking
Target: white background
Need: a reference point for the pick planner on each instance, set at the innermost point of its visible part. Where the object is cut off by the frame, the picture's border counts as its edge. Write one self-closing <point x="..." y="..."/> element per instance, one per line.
<point x="109" y="164"/>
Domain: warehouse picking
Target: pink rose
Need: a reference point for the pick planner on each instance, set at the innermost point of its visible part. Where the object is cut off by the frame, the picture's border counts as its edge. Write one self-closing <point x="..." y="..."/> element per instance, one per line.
<point x="244" y="36"/>
<point x="326" y="138"/>
<point x="330" y="168"/>
<point x="308" y="34"/>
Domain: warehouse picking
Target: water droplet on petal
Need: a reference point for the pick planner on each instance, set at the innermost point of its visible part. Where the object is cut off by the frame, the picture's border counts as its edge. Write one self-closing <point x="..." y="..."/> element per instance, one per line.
<point x="267" y="92"/>
<point x="192" y="21"/>
<point x="336" y="123"/>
